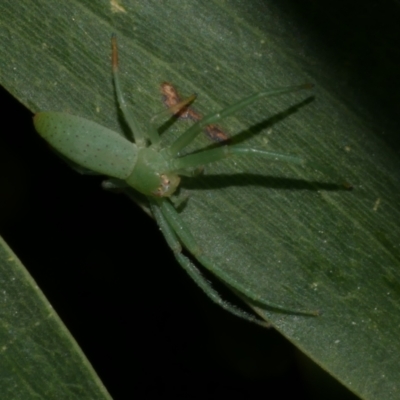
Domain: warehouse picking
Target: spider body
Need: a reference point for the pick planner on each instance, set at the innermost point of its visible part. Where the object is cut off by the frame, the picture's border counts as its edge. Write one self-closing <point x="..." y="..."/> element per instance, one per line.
<point x="155" y="171"/>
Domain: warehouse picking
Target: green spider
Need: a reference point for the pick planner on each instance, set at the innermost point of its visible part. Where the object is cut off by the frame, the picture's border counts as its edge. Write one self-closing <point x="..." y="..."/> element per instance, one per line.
<point x="154" y="171"/>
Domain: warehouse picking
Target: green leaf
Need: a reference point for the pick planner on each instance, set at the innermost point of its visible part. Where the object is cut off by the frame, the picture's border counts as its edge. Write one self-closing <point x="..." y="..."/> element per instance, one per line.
<point x="293" y="235"/>
<point x="40" y="359"/>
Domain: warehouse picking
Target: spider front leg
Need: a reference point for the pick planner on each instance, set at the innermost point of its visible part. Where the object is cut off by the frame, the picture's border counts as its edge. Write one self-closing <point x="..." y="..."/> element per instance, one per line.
<point x="209" y="156"/>
<point x="192" y="132"/>
<point x="192" y="270"/>
<point x="138" y="137"/>
<point x="174" y="227"/>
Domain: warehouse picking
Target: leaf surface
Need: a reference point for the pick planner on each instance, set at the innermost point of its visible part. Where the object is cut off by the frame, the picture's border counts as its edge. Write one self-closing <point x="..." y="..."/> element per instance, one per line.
<point x="293" y="235"/>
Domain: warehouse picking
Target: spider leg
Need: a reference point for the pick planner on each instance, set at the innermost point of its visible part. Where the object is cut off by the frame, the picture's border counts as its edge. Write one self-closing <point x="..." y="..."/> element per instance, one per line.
<point x="219" y="153"/>
<point x="192" y="270"/>
<point x="138" y="137"/>
<point x="203" y="157"/>
<point x="170" y="111"/>
<point x="180" y="229"/>
<point x="194" y="130"/>
<point x="175" y="109"/>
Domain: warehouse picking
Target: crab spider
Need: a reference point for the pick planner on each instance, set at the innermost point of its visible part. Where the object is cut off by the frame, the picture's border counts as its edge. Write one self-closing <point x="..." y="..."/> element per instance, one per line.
<point x="154" y="170"/>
